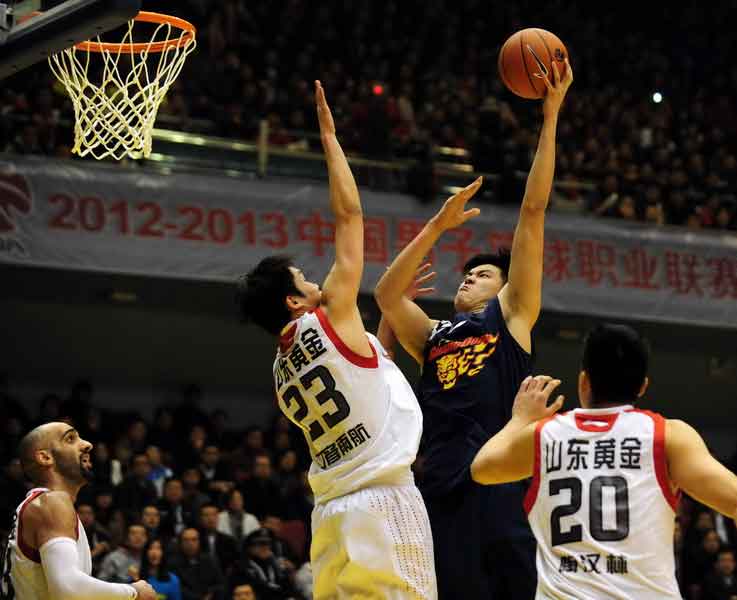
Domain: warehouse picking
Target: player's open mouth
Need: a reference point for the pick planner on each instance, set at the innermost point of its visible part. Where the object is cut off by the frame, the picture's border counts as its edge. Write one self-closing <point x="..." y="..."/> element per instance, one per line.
<point x="85" y="460"/>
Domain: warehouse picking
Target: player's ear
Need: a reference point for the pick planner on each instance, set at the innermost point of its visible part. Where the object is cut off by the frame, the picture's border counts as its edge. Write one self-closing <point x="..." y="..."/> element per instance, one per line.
<point x="643" y="388"/>
<point x="44" y="457"/>
<point x="292" y="302"/>
<point x="584" y="385"/>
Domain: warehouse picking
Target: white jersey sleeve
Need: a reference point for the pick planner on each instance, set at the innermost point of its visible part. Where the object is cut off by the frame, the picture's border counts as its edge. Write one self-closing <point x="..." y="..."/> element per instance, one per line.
<point x="601" y="506"/>
<point x="359" y="414"/>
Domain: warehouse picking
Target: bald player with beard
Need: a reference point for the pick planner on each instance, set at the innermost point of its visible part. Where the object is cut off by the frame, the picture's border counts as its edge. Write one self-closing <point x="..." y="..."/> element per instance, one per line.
<point x="47" y="555"/>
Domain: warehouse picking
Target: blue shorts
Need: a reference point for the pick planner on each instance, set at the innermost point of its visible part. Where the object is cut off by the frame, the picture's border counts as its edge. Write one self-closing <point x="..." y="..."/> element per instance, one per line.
<point x="484" y="548"/>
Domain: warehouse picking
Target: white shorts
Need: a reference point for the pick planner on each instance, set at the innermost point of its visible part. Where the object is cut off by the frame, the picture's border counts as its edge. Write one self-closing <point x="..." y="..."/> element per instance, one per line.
<point x="373" y="543"/>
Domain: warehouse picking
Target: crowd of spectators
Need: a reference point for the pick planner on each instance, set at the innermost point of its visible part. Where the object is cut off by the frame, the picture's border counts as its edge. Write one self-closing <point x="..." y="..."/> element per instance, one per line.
<point x="403" y="78"/>
<point x="206" y="512"/>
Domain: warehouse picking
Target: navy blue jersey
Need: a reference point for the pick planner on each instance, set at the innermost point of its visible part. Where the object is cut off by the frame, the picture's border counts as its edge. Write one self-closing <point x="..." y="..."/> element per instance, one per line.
<point x="472" y="370"/>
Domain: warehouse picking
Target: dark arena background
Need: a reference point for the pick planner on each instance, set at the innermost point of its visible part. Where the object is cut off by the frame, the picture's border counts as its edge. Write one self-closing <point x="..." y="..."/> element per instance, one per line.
<point x="117" y="278"/>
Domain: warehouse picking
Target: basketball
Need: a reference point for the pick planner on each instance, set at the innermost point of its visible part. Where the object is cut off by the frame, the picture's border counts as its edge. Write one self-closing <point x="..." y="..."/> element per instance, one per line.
<point x="526" y="53"/>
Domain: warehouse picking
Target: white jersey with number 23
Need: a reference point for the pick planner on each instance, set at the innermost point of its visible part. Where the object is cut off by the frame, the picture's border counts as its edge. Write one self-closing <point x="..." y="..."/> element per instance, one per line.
<point x="359" y="415"/>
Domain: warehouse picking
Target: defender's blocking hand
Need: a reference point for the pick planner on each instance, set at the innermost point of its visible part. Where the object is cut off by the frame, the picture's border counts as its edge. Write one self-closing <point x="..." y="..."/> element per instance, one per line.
<point x="531" y="402"/>
<point x="324" y="116"/>
<point x="454" y="213"/>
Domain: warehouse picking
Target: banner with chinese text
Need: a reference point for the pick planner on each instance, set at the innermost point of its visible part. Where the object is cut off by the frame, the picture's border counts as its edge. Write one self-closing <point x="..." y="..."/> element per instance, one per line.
<point x="80" y="215"/>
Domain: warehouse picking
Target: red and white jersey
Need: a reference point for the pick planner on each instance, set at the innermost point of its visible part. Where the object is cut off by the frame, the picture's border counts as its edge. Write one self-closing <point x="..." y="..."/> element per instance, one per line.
<point x="359" y="415"/>
<point x="26" y="572"/>
<point x="601" y="506"/>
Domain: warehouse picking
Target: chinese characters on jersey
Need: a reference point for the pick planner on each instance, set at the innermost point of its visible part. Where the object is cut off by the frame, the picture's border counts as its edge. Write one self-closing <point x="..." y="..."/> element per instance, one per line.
<point x="301" y="353"/>
<point x="579" y="454"/>
<point x="344" y="445"/>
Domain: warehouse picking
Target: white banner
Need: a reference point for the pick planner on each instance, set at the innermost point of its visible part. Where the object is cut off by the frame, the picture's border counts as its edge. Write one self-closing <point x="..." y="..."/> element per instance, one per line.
<point x="81" y="215"/>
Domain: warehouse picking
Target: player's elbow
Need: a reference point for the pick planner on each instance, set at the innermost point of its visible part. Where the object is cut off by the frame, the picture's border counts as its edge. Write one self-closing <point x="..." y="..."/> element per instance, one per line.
<point x="63" y="589"/>
<point x="482" y="470"/>
<point x="382" y="295"/>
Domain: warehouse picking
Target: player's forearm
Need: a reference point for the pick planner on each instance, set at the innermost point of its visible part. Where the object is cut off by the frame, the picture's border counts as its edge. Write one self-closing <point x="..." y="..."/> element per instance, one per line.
<point x="488" y="466"/>
<point x="344" y="198"/>
<point x="66" y="582"/>
<point x="400" y="275"/>
<point x="386" y="337"/>
<point x="540" y="178"/>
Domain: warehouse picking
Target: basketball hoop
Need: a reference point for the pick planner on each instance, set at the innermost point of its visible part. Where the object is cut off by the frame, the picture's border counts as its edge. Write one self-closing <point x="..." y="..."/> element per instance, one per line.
<point x="117" y="88"/>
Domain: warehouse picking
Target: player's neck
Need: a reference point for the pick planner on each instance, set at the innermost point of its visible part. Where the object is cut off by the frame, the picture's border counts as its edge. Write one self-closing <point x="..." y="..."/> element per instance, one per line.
<point x="57" y="484"/>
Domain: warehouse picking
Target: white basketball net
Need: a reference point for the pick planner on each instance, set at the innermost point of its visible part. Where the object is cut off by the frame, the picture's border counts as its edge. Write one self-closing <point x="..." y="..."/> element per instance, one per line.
<point x="115" y="113"/>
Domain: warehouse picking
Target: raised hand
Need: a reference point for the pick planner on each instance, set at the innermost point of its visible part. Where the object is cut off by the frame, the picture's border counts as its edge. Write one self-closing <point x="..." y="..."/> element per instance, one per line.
<point x="324" y="116"/>
<point x="556" y="92"/>
<point x="421" y="277"/>
<point x="531" y="402"/>
<point x="454" y="213"/>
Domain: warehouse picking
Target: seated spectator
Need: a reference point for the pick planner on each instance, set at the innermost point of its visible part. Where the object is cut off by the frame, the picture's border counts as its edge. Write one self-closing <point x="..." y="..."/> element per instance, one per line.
<point x="721" y="583"/>
<point x="107" y="471"/>
<point x="188" y="454"/>
<point x="198" y="574"/>
<point x="193" y="498"/>
<point x="136" y="491"/>
<point x="287" y="475"/>
<point x="261" y="569"/>
<point x="281" y="548"/>
<point x="253" y="444"/>
<point x="700" y="562"/>
<point x="159" y="472"/>
<point x="234" y="520"/>
<point x="216" y="479"/>
<point x="104" y="508"/>
<point x="162" y="434"/>
<point x="123" y="565"/>
<point x="151" y="520"/>
<point x="244" y="592"/>
<point x="155" y="570"/>
<point x="97" y="536"/>
<point x="219" y="546"/>
<point x="261" y="490"/>
<point x="174" y="516"/>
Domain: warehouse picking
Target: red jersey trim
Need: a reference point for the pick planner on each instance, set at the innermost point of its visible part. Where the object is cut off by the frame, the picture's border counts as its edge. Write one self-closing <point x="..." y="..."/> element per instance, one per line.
<point x="608" y="419"/>
<point x="660" y="458"/>
<point x="28" y="552"/>
<point x="532" y="491"/>
<point x="366" y="362"/>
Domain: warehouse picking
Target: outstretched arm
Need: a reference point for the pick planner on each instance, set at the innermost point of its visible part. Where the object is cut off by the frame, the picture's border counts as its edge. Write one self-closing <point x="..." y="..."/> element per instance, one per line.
<point x="510" y="454"/>
<point x="384" y="332"/>
<point x="520" y="299"/>
<point x="408" y="321"/>
<point x="340" y="288"/>
<point x="693" y="469"/>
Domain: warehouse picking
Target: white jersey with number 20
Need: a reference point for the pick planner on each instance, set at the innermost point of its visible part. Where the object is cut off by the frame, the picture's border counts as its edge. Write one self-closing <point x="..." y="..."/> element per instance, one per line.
<point x="359" y="415"/>
<point x="602" y="508"/>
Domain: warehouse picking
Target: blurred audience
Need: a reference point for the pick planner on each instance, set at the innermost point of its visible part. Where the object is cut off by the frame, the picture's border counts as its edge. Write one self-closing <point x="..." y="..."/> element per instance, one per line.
<point x="649" y="137"/>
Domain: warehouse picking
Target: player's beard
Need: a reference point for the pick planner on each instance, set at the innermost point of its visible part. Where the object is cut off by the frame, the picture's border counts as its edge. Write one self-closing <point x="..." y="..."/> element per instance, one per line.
<point x="72" y="469"/>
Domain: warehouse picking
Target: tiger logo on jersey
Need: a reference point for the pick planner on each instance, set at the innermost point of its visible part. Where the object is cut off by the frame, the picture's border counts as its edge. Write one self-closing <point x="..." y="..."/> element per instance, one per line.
<point x="465" y="357"/>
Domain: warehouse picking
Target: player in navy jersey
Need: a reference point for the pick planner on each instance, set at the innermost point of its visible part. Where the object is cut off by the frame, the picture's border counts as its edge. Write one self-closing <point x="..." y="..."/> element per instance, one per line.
<point x="472" y="367"/>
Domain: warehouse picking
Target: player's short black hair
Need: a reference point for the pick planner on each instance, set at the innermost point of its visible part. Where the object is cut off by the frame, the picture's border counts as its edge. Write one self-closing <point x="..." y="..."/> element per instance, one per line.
<point x="500" y="259"/>
<point x="616" y="359"/>
<point x="262" y="292"/>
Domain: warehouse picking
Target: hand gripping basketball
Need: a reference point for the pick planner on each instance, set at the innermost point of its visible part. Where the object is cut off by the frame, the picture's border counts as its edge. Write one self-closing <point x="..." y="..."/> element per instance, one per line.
<point x="556" y="93"/>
